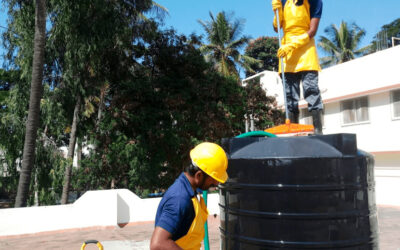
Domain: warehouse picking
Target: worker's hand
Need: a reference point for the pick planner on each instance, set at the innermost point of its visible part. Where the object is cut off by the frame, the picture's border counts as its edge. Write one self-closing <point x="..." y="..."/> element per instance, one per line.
<point x="285" y="50"/>
<point x="294" y="43"/>
<point x="276" y="4"/>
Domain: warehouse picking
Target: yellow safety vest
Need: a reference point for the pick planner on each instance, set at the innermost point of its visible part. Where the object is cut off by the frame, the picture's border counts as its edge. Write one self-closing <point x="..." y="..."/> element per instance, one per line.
<point x="296" y="21"/>
<point x="192" y="240"/>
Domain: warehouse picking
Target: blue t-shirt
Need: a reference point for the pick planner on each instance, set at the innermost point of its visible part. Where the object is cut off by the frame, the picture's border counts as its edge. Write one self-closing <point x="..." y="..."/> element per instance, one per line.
<point x="315" y="8"/>
<point x="175" y="212"/>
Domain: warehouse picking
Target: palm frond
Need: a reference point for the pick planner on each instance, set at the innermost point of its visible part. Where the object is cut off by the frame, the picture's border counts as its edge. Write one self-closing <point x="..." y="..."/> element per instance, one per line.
<point x="237" y="29"/>
<point x="248" y="61"/>
<point x="363" y="50"/>
<point x="342" y="43"/>
<point x="327" y="45"/>
<point x="327" y="61"/>
<point x="206" y="27"/>
<point x="156" y="8"/>
<point x="224" y="43"/>
<point x="237" y="44"/>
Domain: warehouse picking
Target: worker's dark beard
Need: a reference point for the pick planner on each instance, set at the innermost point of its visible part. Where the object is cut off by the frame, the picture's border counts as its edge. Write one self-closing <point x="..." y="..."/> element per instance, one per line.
<point x="202" y="184"/>
<point x="203" y="181"/>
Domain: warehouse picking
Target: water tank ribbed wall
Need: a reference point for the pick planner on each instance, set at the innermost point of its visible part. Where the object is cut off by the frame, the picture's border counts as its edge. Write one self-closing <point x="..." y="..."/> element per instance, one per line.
<point x="315" y="192"/>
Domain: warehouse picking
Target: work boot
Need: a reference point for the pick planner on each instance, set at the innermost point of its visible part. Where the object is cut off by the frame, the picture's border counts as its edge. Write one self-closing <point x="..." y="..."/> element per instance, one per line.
<point x="293" y="117"/>
<point x="317" y="121"/>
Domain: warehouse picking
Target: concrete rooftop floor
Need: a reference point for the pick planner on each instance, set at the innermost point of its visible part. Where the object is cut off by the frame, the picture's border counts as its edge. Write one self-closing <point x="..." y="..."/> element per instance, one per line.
<point x="137" y="236"/>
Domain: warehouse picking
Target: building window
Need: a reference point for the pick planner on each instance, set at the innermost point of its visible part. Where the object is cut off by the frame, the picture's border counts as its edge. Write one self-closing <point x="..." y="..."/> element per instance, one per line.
<point x="307" y="117"/>
<point x="396" y="103"/>
<point x="355" y="110"/>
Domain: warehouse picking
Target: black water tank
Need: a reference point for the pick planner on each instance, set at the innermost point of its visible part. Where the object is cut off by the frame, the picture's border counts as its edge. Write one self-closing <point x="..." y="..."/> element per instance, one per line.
<point x="314" y="192"/>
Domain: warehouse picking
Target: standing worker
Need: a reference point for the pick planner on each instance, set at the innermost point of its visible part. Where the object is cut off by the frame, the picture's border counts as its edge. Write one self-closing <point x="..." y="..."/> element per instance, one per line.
<point x="299" y="20"/>
<point x="181" y="214"/>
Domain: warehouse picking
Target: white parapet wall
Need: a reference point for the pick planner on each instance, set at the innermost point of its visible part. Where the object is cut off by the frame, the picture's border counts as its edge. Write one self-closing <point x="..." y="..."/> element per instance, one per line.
<point x="93" y="209"/>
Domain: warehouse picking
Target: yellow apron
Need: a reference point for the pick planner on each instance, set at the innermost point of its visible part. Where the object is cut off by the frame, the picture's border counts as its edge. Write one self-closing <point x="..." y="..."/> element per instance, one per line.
<point x="192" y="240"/>
<point x="296" y="21"/>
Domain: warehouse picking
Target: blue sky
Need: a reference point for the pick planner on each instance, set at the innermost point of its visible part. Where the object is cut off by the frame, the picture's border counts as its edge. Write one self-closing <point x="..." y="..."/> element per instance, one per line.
<point x="3" y="23"/>
<point x="370" y="15"/>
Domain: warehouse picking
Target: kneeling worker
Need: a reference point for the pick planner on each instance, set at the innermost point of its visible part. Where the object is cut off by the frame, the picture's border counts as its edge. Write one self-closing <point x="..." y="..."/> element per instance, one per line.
<point x="181" y="214"/>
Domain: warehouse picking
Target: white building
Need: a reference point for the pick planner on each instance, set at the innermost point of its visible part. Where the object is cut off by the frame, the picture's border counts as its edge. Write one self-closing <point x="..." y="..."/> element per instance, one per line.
<point x="361" y="96"/>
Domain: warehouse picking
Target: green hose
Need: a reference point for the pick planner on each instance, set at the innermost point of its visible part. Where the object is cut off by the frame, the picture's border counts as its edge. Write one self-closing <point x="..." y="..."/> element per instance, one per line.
<point x="206" y="240"/>
<point x="255" y="134"/>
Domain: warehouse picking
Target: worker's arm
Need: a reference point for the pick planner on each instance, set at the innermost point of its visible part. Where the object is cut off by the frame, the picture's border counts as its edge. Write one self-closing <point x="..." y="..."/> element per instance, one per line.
<point x="277" y="7"/>
<point x="162" y="239"/>
<point x="313" y="27"/>
<point x="300" y="40"/>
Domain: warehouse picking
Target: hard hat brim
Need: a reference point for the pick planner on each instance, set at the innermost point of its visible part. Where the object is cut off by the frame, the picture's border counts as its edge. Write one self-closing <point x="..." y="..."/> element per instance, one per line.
<point x="223" y="178"/>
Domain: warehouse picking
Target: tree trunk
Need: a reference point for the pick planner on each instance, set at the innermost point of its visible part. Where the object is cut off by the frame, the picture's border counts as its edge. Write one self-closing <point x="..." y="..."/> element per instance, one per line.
<point x="79" y="152"/>
<point x="112" y="183"/>
<point x="36" y="197"/>
<point x="32" y="123"/>
<point x="71" y="151"/>
<point x="79" y="159"/>
<point x="103" y="93"/>
<point x="99" y="112"/>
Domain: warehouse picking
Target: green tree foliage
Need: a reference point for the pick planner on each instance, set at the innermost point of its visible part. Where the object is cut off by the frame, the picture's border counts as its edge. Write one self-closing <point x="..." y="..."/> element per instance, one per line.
<point x="157" y="9"/>
<point x="7" y="79"/>
<point x="225" y="41"/>
<point x="12" y="131"/>
<point x="262" y="107"/>
<point x="184" y="101"/>
<point x="89" y="33"/>
<point x="3" y="96"/>
<point x="46" y="180"/>
<point x="59" y="71"/>
<point x="341" y="44"/>
<point x="146" y="98"/>
<point x="263" y="49"/>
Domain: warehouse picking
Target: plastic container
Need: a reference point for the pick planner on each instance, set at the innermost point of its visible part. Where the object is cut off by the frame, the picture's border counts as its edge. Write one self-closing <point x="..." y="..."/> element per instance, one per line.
<point x="314" y="192"/>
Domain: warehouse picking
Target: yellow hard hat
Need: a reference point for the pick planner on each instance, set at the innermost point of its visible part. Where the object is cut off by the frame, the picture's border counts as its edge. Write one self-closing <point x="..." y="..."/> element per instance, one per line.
<point x="210" y="158"/>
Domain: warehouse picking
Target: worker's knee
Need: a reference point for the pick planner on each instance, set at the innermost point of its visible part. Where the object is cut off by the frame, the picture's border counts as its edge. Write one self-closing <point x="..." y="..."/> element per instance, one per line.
<point x="310" y="83"/>
<point x="311" y="90"/>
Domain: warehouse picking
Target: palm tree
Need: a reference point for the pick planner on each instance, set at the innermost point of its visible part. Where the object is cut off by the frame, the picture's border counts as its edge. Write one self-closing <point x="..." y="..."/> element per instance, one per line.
<point x="157" y="9"/>
<point x="225" y="41"/>
<point x="342" y="43"/>
<point x="32" y="123"/>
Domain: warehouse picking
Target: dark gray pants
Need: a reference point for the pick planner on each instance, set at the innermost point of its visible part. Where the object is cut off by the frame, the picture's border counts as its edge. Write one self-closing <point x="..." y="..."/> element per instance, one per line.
<point x="312" y="95"/>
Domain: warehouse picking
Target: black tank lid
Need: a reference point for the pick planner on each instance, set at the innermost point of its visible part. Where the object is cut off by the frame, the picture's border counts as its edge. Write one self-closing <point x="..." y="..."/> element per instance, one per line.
<point x="334" y="145"/>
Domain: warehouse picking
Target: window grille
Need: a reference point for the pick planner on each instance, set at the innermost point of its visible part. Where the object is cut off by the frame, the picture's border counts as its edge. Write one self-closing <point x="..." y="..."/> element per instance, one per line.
<point x="396" y="103"/>
<point x="355" y="110"/>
